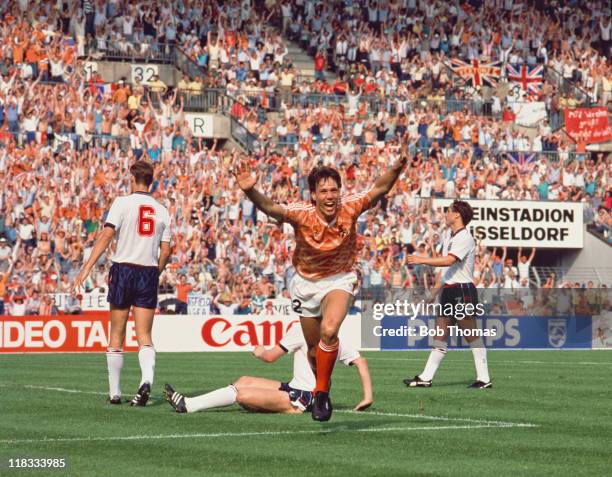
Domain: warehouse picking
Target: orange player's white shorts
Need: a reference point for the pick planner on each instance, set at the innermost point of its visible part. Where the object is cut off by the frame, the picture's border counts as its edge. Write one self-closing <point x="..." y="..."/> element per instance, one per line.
<point x="307" y="295"/>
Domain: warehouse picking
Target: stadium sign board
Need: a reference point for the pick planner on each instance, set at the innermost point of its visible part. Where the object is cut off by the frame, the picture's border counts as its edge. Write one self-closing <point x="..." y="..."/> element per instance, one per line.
<point x="143" y="73"/>
<point x="499" y="223"/>
<point x="200" y="124"/>
<point x="185" y="333"/>
<point x="171" y="333"/>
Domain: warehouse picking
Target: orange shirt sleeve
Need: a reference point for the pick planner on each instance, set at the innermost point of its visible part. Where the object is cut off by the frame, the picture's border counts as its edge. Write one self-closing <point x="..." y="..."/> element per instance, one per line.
<point x="358" y="203"/>
<point x="297" y="213"/>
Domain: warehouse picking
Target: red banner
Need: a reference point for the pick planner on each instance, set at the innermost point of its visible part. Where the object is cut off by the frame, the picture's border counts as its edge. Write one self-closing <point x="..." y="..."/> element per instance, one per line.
<point x="588" y="124"/>
<point x="62" y="333"/>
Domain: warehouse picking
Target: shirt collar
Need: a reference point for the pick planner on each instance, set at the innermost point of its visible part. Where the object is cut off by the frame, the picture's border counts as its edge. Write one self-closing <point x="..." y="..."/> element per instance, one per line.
<point x="455" y="233"/>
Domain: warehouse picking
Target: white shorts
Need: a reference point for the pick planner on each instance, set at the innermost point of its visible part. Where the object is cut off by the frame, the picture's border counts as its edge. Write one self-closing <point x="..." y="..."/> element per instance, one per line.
<point x="307" y="295"/>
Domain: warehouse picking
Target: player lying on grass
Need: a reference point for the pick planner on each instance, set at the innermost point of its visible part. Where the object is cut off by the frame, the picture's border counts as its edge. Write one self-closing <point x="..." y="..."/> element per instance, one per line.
<point x="267" y="395"/>
<point x="325" y="257"/>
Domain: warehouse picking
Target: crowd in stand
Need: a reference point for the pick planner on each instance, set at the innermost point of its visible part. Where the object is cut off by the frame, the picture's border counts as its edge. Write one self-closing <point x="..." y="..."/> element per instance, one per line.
<point x="62" y="163"/>
<point x="408" y="38"/>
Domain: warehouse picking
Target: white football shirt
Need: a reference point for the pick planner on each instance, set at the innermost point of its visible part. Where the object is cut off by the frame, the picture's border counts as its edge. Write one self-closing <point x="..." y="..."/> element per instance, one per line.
<point x="141" y="223"/>
<point x="303" y="377"/>
<point x="461" y="246"/>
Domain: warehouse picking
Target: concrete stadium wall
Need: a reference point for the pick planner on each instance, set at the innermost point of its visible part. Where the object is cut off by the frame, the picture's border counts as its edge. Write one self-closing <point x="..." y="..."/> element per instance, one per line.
<point x="595" y="255"/>
<point x="113" y="71"/>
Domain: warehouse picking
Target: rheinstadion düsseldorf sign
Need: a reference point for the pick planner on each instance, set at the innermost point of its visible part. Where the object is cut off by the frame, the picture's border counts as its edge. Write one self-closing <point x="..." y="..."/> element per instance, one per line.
<point x="499" y="223"/>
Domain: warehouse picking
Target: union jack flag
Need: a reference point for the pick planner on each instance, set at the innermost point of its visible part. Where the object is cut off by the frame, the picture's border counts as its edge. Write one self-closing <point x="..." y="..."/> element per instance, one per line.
<point x="530" y="78"/>
<point x="523" y="160"/>
<point x="477" y="72"/>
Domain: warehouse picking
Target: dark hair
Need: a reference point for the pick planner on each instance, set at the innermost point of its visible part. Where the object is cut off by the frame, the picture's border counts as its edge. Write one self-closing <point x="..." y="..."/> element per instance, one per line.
<point x="320" y="173"/>
<point x="464" y="210"/>
<point x="142" y="172"/>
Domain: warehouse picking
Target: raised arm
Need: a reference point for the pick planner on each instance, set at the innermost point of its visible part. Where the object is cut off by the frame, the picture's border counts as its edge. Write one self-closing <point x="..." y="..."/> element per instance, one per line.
<point x="247" y="183"/>
<point x="533" y="252"/>
<point x="385" y="183"/>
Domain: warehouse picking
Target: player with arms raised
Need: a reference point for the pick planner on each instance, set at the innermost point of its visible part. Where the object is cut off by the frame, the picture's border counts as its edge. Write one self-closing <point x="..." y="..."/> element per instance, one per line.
<point x="323" y="288"/>
<point x="142" y="226"/>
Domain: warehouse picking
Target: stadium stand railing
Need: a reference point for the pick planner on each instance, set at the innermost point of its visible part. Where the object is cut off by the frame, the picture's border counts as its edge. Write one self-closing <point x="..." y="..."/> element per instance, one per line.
<point x="164" y="53"/>
<point x="599" y="276"/>
<point x="602" y="232"/>
<point x="566" y="86"/>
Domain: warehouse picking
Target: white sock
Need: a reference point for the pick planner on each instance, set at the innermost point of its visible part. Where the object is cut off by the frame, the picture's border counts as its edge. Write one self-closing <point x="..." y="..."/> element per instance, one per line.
<point x="435" y="358"/>
<point x="114" y="362"/>
<point x="146" y="358"/>
<point x="218" y="398"/>
<point x="480" y="360"/>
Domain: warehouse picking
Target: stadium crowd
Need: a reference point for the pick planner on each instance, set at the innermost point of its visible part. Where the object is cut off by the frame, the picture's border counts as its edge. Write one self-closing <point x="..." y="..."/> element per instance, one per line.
<point x="66" y="142"/>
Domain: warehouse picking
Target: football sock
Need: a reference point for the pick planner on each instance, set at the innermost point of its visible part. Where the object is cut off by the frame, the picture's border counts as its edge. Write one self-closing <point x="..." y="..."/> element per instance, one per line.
<point x="146" y="358"/>
<point x="218" y="398"/>
<point x="480" y="360"/>
<point x="114" y="362"/>
<point x="326" y="358"/>
<point x="435" y="358"/>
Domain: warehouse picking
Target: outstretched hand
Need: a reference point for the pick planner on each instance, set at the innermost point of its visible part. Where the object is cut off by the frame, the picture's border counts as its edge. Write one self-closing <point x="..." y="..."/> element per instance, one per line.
<point x="413" y="260"/>
<point x="77" y="285"/>
<point x="363" y="405"/>
<point x="258" y="351"/>
<point x="242" y="173"/>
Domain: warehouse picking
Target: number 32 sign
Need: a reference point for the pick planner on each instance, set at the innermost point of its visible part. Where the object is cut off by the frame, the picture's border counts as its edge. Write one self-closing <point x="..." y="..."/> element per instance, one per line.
<point x="143" y="74"/>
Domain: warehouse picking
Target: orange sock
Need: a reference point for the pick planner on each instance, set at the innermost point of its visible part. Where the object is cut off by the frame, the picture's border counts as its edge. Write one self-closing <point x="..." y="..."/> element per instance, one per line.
<point x="326" y="358"/>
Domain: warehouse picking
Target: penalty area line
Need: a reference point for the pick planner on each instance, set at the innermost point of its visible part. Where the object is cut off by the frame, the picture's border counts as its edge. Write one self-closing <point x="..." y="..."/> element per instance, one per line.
<point x="463" y="361"/>
<point x="441" y="418"/>
<point x="48" y="440"/>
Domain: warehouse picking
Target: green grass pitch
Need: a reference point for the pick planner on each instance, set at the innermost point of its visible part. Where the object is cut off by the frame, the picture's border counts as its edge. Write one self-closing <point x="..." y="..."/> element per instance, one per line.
<point x="549" y="413"/>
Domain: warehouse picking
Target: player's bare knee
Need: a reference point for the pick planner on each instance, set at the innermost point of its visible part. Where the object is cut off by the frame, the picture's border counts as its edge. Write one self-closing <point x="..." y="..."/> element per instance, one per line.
<point x="116" y="340"/>
<point x="329" y="334"/>
<point x="243" y="395"/>
<point x="143" y="338"/>
<point x="243" y="381"/>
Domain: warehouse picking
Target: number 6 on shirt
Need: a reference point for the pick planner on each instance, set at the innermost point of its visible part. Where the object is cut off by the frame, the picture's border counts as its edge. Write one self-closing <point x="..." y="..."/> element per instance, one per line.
<point x="146" y="221"/>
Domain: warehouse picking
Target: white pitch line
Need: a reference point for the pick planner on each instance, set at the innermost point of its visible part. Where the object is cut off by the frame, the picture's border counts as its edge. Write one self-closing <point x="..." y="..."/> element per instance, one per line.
<point x="442" y="418"/>
<point x="246" y="434"/>
<point x="552" y="363"/>
<point x="358" y="413"/>
<point x="49" y="388"/>
<point x="63" y="390"/>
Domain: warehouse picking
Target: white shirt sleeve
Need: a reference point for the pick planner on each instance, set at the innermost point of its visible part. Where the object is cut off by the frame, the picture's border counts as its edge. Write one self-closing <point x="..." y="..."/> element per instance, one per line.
<point x="166" y="233"/>
<point x="347" y="355"/>
<point x="115" y="214"/>
<point x="460" y="246"/>
<point x="293" y="339"/>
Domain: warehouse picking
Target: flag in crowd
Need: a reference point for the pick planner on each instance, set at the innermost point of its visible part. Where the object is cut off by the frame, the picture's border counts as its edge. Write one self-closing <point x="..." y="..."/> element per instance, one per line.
<point x="530" y="78"/>
<point x="476" y="72"/>
<point x="523" y="160"/>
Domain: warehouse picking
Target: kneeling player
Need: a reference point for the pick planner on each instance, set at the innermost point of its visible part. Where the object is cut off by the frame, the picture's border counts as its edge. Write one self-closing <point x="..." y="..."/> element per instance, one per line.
<point x="458" y="289"/>
<point x="267" y="395"/>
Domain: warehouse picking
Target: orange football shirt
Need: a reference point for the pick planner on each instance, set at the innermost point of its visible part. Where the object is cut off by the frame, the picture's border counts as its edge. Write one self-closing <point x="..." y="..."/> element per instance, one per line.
<point x="324" y="249"/>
